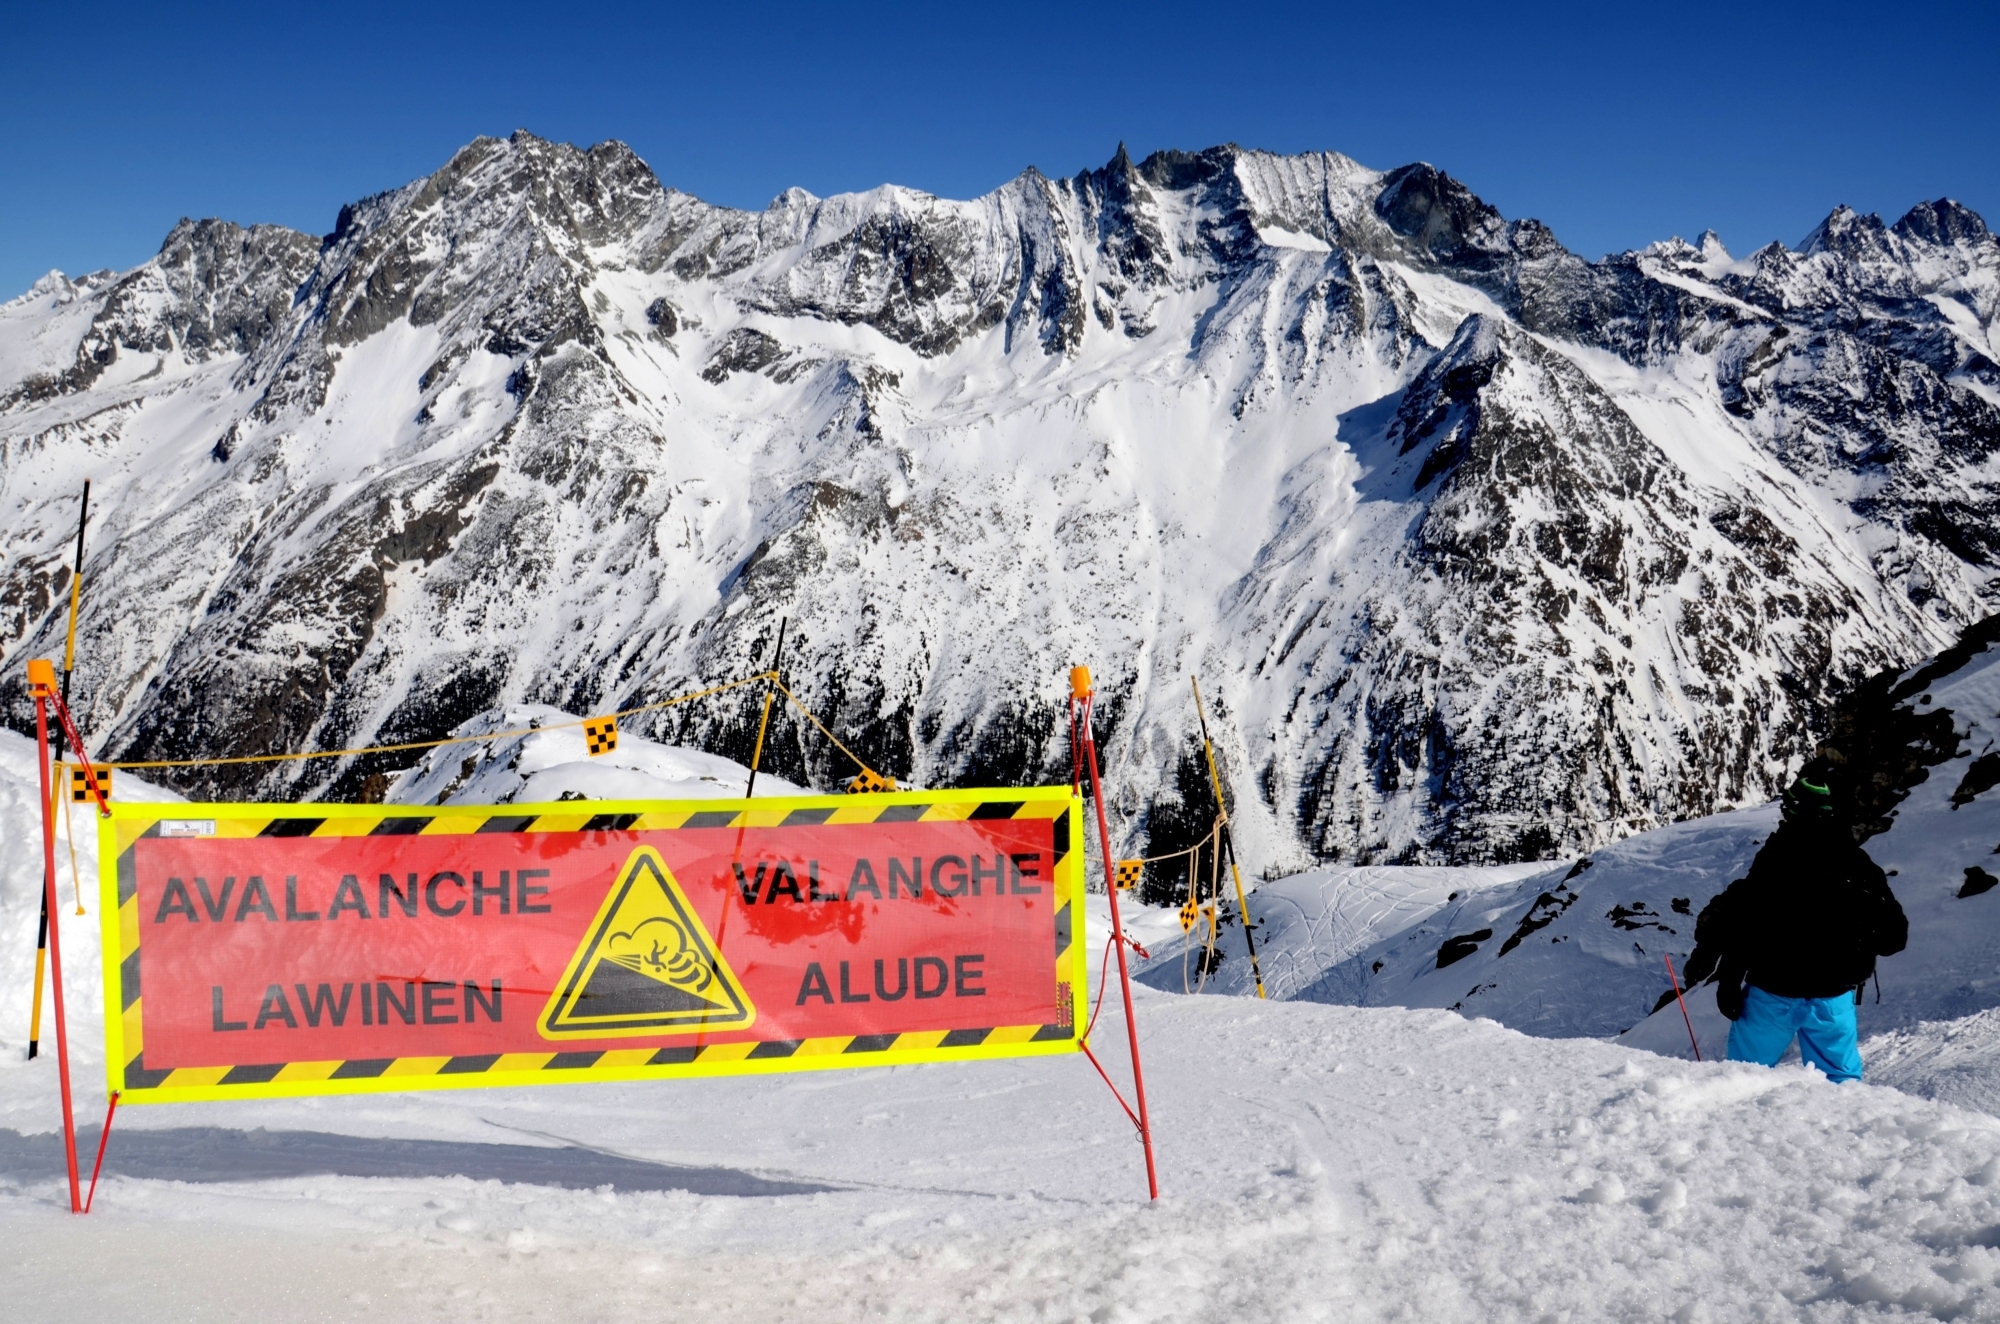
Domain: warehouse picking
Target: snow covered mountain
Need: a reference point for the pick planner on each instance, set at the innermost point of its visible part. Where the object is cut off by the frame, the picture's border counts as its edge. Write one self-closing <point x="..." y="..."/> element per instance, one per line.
<point x="1488" y="551"/>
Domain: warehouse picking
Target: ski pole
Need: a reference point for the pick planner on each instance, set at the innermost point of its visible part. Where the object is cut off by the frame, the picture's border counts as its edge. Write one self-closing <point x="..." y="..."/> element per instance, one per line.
<point x="1687" y="1020"/>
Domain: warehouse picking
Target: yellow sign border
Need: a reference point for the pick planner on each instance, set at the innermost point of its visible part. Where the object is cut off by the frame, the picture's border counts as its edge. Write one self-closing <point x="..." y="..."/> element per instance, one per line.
<point x="119" y="923"/>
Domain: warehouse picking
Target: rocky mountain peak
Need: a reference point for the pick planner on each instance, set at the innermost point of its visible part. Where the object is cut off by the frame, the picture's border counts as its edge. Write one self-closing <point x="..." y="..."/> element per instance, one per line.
<point x="1176" y="170"/>
<point x="1851" y="235"/>
<point x="54" y="285"/>
<point x="1441" y="217"/>
<point x="1942" y="222"/>
<point x="214" y="289"/>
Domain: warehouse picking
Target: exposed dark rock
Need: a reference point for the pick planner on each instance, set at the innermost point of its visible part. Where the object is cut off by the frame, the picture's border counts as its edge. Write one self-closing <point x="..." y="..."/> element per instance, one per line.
<point x="1983" y="775"/>
<point x="1441" y="218"/>
<point x="743" y="350"/>
<point x="1547" y="908"/>
<point x="1880" y="745"/>
<point x="1942" y="222"/>
<point x="1455" y="949"/>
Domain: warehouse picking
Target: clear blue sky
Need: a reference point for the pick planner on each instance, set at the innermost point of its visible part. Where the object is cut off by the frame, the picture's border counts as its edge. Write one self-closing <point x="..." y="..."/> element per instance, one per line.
<point x="1616" y="125"/>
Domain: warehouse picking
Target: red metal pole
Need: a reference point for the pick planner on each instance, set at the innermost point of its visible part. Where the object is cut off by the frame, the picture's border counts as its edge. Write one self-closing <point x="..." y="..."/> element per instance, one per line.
<point x="44" y="688"/>
<point x="90" y="777"/>
<point x="102" y="1141"/>
<point x="1080" y="691"/>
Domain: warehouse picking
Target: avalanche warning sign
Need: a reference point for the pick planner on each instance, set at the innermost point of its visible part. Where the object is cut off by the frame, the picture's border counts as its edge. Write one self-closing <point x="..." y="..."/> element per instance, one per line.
<point x="647" y="964"/>
<point x="305" y="949"/>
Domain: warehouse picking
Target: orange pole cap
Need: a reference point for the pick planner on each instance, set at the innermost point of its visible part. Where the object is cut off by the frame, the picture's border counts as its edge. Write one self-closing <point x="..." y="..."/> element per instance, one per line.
<point x="41" y="674"/>
<point x="1079" y="682"/>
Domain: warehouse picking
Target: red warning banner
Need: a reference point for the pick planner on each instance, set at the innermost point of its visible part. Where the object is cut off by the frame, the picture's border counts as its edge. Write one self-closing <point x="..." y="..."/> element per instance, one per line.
<point x="304" y="949"/>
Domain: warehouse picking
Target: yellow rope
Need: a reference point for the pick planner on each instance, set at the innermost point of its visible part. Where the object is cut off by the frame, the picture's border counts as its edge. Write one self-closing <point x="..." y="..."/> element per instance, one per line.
<point x="794" y="700"/>
<point x="457" y="740"/>
<point x="407" y="746"/>
<point x="1213" y="909"/>
<point x="69" y="831"/>
<point x="1175" y="854"/>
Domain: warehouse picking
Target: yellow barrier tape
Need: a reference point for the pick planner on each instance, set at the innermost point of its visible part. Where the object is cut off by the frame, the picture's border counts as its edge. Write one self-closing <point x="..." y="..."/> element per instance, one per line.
<point x="594" y="728"/>
<point x="453" y="740"/>
<point x="1213" y="833"/>
<point x="793" y="699"/>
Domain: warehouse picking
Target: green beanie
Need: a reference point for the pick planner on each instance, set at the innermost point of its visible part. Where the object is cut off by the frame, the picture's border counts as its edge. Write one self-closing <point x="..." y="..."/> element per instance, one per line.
<point x="1809" y="799"/>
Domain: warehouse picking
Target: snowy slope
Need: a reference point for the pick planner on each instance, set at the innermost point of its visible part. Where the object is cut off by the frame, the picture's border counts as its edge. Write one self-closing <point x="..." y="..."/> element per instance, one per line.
<point x="1318" y="1163"/>
<point x="1934" y="1029"/>
<point x="1575" y="950"/>
<point x="1948" y="827"/>
<point x="1487" y="553"/>
<point x="1310" y="922"/>
<point x="1957" y="1061"/>
<point x="1578" y="949"/>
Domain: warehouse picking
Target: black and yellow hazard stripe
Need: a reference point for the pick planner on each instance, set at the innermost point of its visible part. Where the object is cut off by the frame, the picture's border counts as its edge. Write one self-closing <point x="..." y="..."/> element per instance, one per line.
<point x="412" y="1072"/>
<point x="454" y="821"/>
<point x="138" y="1077"/>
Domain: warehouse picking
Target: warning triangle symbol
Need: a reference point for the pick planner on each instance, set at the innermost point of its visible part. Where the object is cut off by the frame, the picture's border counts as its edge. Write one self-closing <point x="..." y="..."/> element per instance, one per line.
<point x="646" y="966"/>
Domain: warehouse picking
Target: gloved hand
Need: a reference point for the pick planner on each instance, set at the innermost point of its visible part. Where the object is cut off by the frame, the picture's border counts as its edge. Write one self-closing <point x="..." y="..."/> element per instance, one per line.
<point x="1729" y="997"/>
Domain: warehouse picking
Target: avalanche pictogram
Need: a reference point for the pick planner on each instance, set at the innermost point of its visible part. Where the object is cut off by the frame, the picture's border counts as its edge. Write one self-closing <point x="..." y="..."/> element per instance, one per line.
<point x="646" y="965"/>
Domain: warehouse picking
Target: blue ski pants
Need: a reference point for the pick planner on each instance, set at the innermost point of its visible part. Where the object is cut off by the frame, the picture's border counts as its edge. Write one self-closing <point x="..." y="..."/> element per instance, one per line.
<point x="1824" y="1026"/>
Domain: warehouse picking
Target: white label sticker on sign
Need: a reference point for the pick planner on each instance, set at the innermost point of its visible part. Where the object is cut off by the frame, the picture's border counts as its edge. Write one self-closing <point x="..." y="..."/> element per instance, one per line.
<point x="187" y="827"/>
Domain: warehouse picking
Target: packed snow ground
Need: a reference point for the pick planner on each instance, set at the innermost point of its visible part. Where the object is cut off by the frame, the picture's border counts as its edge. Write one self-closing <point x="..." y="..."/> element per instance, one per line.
<point x="1317" y="1162"/>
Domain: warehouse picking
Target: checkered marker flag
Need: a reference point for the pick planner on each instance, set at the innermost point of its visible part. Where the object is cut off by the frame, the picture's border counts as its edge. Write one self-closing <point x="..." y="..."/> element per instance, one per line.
<point x="601" y="733"/>
<point x="79" y="785"/>
<point x="1128" y="874"/>
<point x="870" y="782"/>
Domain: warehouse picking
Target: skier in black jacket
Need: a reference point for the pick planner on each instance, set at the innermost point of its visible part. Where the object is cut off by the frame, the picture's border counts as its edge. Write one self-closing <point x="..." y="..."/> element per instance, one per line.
<point x="1795" y="939"/>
